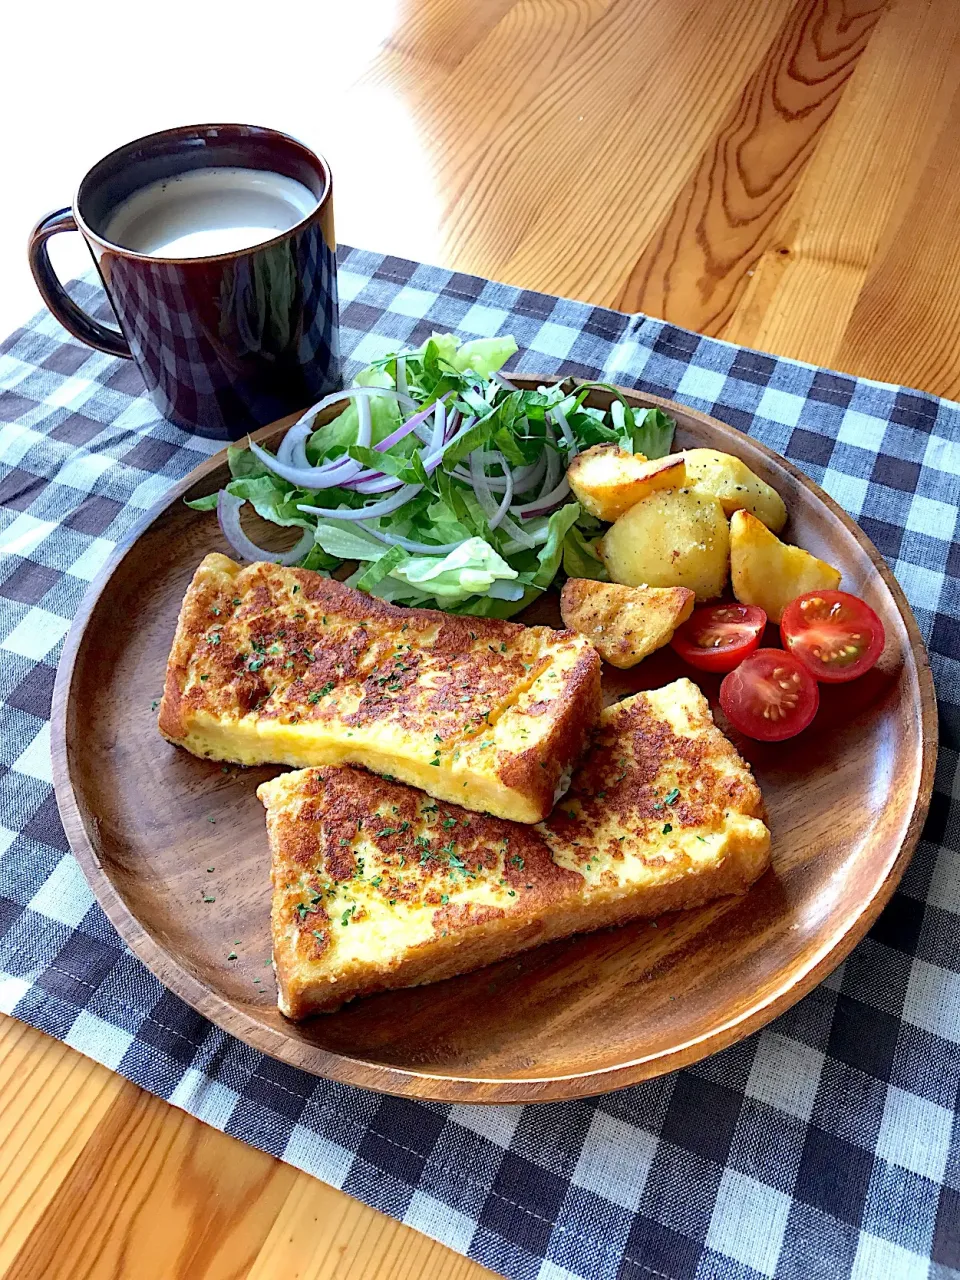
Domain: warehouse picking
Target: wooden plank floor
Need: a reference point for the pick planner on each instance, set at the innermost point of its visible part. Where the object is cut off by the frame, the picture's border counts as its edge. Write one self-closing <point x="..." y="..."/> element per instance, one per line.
<point x="785" y="175"/>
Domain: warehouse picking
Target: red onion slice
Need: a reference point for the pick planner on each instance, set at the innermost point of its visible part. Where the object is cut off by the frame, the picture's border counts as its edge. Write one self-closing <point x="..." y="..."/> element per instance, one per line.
<point x="453" y="422"/>
<point x="560" y="419"/>
<point x="504" y="382"/>
<point x="494" y="513"/>
<point x="504" y="506"/>
<point x="385" y="508"/>
<point x="554" y="465"/>
<point x="425" y="430"/>
<point x="520" y="540"/>
<point x="404" y="429"/>
<point x="432" y="459"/>
<point x="439" y="427"/>
<point x="481" y="487"/>
<point x="348" y="393"/>
<point x="292" y="453"/>
<point x="297" y="434"/>
<point x="228" y="514"/>
<point x="327" y="476"/>
<point x="524" y="478"/>
<point x="527" y="477"/>
<point x="543" y="505"/>
<point x="365" y="423"/>
<point x="376" y="484"/>
<point x="418" y="548"/>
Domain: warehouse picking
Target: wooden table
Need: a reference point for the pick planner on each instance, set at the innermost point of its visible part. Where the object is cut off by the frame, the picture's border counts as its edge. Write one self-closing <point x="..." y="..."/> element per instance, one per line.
<point x="781" y="175"/>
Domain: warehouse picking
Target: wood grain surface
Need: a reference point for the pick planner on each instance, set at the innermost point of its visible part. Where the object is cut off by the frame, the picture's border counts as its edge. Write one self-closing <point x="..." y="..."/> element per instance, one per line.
<point x="785" y="176"/>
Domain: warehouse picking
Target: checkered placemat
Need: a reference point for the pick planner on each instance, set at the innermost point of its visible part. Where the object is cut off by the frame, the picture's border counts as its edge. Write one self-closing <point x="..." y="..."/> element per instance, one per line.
<point x="827" y="1145"/>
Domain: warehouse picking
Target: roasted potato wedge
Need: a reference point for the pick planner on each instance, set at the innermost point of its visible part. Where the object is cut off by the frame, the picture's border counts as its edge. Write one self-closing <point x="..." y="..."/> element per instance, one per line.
<point x="624" y="624"/>
<point x="768" y="572"/>
<point x="608" y="480"/>
<point x="672" y="538"/>
<point x="737" y="487"/>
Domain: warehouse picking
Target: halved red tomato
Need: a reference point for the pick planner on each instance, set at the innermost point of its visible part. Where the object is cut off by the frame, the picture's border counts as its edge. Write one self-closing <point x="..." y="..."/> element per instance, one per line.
<point x="770" y="696"/>
<point x="835" y="635"/>
<point x="717" y="637"/>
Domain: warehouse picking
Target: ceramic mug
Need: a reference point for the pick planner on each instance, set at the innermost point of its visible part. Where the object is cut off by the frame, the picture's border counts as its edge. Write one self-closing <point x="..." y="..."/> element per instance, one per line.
<point x="224" y="343"/>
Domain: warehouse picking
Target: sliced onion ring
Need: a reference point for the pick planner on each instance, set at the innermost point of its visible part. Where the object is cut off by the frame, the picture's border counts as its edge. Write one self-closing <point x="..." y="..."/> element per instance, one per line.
<point x="404" y="429"/>
<point x="365" y="424"/>
<point x="438" y="435"/>
<point x="375" y="484"/>
<point x="327" y="476"/>
<point x="560" y="418"/>
<point x="544" y="505"/>
<point x="347" y="393"/>
<point x="292" y="453"/>
<point x="420" y="548"/>
<point x="384" y="508"/>
<point x="554" y="465"/>
<point x="524" y="541"/>
<point x="297" y="434"/>
<point x="228" y="514"/>
<point x="494" y="513"/>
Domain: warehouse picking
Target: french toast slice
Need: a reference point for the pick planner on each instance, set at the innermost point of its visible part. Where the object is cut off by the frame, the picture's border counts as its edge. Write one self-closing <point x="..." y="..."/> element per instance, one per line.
<point x="377" y="886"/>
<point x="286" y="666"/>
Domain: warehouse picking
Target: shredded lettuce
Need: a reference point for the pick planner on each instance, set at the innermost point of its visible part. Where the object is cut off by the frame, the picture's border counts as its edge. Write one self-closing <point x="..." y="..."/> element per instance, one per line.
<point x="453" y="578"/>
<point x="245" y="465"/>
<point x="549" y="557"/>
<point x="275" y="503"/>
<point x="580" y="558"/>
<point x="484" y="355"/>
<point x="335" y="438"/>
<point x="381" y="568"/>
<point x="207" y="503"/>
<point x="653" y="434"/>
<point x="347" y="543"/>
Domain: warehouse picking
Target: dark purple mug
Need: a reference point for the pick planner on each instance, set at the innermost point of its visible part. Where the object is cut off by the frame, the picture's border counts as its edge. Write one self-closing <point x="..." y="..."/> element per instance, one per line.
<point x="225" y="343"/>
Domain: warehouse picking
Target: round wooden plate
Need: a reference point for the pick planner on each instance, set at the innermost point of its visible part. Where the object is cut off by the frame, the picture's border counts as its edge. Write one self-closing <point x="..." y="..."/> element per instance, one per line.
<point x="157" y="832"/>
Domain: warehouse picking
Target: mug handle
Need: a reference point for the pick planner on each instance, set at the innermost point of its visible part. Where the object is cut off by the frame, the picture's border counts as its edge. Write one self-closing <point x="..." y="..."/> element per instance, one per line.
<point x="73" y="318"/>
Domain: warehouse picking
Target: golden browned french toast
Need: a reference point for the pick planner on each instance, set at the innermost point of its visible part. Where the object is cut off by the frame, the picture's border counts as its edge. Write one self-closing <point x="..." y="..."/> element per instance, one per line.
<point x="285" y="666"/>
<point x="376" y="885"/>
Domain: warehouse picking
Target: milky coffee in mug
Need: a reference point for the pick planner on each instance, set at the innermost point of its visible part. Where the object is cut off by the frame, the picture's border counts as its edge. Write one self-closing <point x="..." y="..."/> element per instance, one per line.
<point x="205" y="212"/>
<point x="215" y="245"/>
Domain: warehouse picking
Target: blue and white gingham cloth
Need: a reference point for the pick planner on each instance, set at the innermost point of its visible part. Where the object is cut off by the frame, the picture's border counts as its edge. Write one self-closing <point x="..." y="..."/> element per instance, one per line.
<point x="826" y="1146"/>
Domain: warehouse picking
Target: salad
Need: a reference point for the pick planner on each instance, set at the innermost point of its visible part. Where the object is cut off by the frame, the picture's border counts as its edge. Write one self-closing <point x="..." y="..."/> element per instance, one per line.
<point x="444" y="482"/>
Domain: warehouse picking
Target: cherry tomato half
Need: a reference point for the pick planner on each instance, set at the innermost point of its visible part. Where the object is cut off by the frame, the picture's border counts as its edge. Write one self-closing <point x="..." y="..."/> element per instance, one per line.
<point x="835" y="635"/>
<point x="717" y="637"/>
<point x="770" y="696"/>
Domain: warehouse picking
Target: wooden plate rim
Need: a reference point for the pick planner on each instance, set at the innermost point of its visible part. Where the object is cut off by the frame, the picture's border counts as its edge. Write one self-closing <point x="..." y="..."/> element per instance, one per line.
<point x="444" y="1088"/>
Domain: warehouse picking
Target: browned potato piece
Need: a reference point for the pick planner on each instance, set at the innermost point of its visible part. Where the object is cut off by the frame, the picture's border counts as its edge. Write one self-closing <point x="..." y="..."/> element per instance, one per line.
<point x="624" y="624"/>
<point x="736" y="487"/>
<point x="672" y="538"/>
<point x="768" y="572"/>
<point x="607" y="480"/>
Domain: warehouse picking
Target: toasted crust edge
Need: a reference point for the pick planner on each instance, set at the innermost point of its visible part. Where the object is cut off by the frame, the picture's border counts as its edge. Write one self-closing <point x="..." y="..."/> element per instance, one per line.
<point x="500" y="939"/>
<point x="204" y="585"/>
